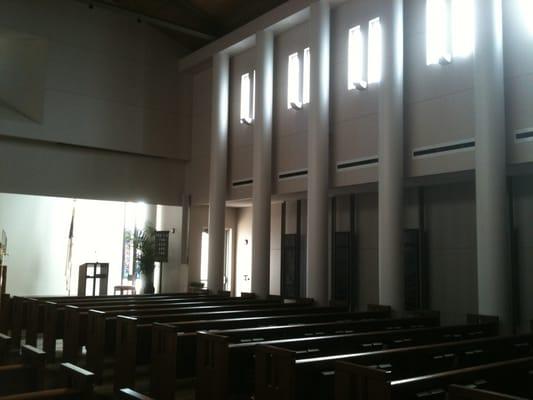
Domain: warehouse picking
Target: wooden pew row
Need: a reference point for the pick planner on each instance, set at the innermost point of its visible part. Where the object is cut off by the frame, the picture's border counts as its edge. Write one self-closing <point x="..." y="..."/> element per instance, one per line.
<point x="78" y="386"/>
<point x="54" y="313"/>
<point x="18" y="306"/>
<point x="174" y="347"/>
<point x="457" y="392"/>
<point x="354" y="381"/>
<point x="294" y="372"/>
<point x="134" y="335"/>
<point x="42" y="315"/>
<point x="77" y="324"/>
<point x="225" y="364"/>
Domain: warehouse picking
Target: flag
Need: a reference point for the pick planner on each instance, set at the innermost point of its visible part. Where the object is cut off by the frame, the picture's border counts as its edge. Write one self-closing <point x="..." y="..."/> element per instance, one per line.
<point x="68" y="264"/>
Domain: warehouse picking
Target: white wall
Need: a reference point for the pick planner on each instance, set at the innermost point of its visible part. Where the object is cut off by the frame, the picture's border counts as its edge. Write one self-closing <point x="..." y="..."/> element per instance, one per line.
<point x="37" y="230"/>
<point x="38" y="227"/>
<point x="243" y="267"/>
<point x="110" y="84"/>
<point x="175" y="275"/>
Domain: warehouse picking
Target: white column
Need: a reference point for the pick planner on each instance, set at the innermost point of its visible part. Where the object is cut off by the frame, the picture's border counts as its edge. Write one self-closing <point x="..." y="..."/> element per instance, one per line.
<point x="491" y="201"/>
<point x="318" y="155"/>
<point x="390" y="185"/>
<point x="218" y="170"/>
<point x="262" y="166"/>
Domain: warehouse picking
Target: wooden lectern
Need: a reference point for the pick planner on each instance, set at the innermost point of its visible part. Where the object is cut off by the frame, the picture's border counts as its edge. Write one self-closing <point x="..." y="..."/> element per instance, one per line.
<point x="98" y="273"/>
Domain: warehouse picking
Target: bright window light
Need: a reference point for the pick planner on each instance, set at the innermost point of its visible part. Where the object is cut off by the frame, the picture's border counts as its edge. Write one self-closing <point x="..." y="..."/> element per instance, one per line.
<point x="437" y="32"/>
<point x="306" y="79"/>
<point x="293" y="82"/>
<point x="526" y="9"/>
<point x="375" y="50"/>
<point x="356" y="56"/>
<point x="246" y="99"/>
<point x="463" y="20"/>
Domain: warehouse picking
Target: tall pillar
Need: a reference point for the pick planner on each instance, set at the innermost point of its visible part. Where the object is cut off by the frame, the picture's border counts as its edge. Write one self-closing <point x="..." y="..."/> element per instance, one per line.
<point x="318" y="155"/>
<point x="262" y="167"/>
<point x="218" y="170"/>
<point x="491" y="201"/>
<point x="390" y="176"/>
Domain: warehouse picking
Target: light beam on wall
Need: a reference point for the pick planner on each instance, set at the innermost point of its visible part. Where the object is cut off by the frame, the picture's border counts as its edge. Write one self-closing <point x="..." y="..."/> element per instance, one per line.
<point x="306" y="78"/>
<point x="526" y="10"/>
<point x="375" y="51"/>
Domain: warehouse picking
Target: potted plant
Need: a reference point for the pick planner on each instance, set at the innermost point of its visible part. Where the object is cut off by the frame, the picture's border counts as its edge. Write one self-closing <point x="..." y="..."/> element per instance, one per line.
<point x="144" y="245"/>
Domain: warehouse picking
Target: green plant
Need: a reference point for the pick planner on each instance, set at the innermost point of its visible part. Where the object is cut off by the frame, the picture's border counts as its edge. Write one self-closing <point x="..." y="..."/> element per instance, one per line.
<point x="144" y="244"/>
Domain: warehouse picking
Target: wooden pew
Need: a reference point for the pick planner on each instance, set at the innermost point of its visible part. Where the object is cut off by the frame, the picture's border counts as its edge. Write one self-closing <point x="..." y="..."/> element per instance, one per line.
<point x="457" y="392"/>
<point x="134" y="335"/>
<point x="174" y="347"/>
<point x="26" y="375"/>
<point x="77" y="320"/>
<point x="288" y="372"/>
<point x="130" y="394"/>
<point x="43" y="316"/>
<point x="78" y="386"/>
<point x="353" y="381"/>
<point x="54" y="313"/>
<point x="20" y="305"/>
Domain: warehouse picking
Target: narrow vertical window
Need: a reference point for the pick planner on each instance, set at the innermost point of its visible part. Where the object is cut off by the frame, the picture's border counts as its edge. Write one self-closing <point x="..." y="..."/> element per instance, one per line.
<point x="463" y="20"/>
<point x="375" y="51"/>
<point x="246" y="94"/>
<point x="356" y="59"/>
<point x="253" y="96"/>
<point x="306" y="78"/>
<point x="437" y="32"/>
<point x="293" y="82"/>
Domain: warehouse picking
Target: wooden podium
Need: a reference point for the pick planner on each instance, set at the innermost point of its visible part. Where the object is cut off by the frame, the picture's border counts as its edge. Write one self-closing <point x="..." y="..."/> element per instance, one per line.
<point x="98" y="273"/>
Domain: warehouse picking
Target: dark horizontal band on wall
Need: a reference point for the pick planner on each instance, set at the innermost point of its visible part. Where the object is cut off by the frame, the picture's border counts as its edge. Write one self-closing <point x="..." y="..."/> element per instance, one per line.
<point x="524" y="135"/>
<point x="292" y="174"/>
<point x="244" y="182"/>
<point x="445" y="148"/>
<point x="358" y="163"/>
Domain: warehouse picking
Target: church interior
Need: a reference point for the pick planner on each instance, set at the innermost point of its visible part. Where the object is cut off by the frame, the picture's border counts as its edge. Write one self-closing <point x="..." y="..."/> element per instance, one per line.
<point x="266" y="199"/>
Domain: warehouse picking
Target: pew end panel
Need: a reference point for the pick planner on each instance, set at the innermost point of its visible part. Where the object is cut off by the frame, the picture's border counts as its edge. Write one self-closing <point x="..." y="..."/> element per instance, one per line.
<point x="79" y="380"/>
<point x="50" y="330"/>
<point x="34" y="318"/>
<point x="274" y="373"/>
<point x="130" y="394"/>
<point x="126" y="352"/>
<point x="5" y="313"/>
<point x="458" y="392"/>
<point x="96" y="335"/>
<point x="71" y="336"/>
<point x="164" y="358"/>
<point x="212" y="359"/>
<point x="359" y="382"/>
<point x="5" y="345"/>
<point x="18" y="310"/>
